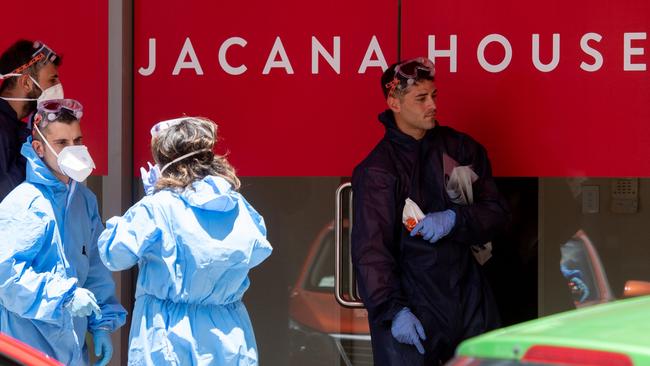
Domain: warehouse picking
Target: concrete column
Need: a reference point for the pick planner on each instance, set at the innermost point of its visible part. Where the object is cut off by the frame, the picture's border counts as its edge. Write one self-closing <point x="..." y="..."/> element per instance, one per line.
<point x="117" y="186"/>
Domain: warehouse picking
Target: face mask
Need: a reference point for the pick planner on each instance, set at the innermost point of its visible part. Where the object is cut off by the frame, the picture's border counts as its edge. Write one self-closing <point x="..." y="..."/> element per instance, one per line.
<point x="53" y="92"/>
<point x="74" y="161"/>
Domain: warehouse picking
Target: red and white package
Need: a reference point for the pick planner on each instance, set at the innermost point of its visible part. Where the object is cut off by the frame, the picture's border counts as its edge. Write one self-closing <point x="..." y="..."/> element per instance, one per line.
<point x="411" y="215"/>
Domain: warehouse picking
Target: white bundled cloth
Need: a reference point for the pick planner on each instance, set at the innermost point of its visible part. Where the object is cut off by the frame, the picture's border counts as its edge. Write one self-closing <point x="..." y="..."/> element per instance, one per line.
<point x="412" y="214"/>
<point x="459" y="186"/>
<point x="459" y="190"/>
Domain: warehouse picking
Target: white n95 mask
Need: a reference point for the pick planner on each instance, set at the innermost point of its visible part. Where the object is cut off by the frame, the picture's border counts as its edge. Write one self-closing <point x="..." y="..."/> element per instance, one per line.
<point x="75" y="162"/>
<point x="53" y="92"/>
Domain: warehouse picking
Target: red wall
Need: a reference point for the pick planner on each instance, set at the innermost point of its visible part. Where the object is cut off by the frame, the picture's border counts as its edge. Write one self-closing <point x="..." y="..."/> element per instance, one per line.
<point x="278" y="123"/>
<point x="565" y="120"/>
<point x="78" y="30"/>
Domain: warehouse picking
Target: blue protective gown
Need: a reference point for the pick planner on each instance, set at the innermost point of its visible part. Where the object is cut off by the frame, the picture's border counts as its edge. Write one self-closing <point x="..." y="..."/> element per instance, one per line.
<point x="194" y="249"/>
<point x="48" y="248"/>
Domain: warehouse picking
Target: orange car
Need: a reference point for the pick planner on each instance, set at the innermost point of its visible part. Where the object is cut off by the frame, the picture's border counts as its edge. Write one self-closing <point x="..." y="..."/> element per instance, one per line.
<point x="321" y="331"/>
<point x="16" y="353"/>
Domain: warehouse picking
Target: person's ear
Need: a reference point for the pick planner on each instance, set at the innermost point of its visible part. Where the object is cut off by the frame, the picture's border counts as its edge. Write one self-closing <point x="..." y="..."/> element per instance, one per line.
<point x="394" y="104"/>
<point x="39" y="148"/>
<point x="25" y="83"/>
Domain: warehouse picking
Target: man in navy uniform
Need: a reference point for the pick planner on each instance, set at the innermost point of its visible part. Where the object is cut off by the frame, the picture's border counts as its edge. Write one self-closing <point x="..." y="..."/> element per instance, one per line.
<point x="423" y="289"/>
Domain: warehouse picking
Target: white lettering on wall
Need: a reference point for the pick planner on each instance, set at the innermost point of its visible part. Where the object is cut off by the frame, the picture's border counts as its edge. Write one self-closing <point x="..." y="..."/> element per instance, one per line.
<point x="278" y="50"/>
<point x="380" y="61"/>
<point x="223" y="61"/>
<point x="193" y="63"/>
<point x="151" y="67"/>
<point x="598" y="57"/>
<point x="629" y="51"/>
<point x="452" y="52"/>
<point x="555" y="60"/>
<point x="333" y="60"/>
<point x="480" y="53"/>
<point x="591" y="54"/>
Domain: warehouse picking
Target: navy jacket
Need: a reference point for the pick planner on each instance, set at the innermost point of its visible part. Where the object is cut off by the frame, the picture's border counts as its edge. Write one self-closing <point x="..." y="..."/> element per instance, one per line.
<point x="441" y="283"/>
<point x="13" y="133"/>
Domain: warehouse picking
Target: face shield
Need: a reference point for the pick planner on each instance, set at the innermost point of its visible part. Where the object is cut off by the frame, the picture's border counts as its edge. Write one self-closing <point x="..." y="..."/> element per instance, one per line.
<point x="159" y="127"/>
<point x="42" y="54"/>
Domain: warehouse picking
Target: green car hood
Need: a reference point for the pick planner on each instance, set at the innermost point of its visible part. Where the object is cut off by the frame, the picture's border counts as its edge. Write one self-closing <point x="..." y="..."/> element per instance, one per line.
<point x="622" y="326"/>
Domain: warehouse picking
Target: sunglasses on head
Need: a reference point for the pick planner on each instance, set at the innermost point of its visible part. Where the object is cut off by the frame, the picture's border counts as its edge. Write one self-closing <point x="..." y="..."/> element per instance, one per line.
<point x="413" y="68"/>
<point x="52" y="109"/>
<point x="410" y="71"/>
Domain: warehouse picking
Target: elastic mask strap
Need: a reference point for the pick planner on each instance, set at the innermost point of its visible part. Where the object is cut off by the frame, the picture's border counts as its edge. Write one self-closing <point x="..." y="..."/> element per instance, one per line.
<point x="20" y="99"/>
<point x="36" y="83"/>
<point x="38" y="130"/>
<point x="13" y="74"/>
<point x="181" y="158"/>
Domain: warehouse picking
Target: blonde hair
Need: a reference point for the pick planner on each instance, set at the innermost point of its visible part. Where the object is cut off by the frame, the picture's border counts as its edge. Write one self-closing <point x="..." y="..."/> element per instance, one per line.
<point x="190" y="135"/>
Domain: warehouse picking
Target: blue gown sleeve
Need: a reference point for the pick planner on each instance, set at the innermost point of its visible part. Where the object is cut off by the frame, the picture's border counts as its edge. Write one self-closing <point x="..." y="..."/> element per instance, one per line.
<point x="126" y="238"/>
<point x="24" y="291"/>
<point x="100" y="282"/>
<point x="262" y="248"/>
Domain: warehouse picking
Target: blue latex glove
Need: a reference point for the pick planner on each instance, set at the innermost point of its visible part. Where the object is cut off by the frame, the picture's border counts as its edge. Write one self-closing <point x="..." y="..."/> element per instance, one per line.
<point x="435" y="225"/>
<point x="103" y="347"/>
<point x="83" y="303"/>
<point x="149" y="178"/>
<point x="407" y="329"/>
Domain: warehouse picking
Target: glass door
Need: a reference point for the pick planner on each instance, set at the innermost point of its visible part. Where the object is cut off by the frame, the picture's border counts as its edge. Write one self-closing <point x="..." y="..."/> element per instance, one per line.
<point x="291" y="301"/>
